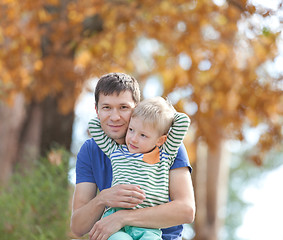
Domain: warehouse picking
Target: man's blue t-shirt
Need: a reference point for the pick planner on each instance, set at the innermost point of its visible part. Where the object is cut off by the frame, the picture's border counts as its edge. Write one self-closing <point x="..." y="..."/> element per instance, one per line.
<point x="95" y="167"/>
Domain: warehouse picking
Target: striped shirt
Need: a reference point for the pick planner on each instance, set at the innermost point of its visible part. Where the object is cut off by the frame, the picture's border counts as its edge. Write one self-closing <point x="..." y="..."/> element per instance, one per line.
<point x="129" y="168"/>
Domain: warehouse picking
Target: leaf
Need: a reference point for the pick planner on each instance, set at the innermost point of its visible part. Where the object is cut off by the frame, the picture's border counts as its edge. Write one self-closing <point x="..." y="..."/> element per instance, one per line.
<point x="38" y="65"/>
<point x="84" y="58"/>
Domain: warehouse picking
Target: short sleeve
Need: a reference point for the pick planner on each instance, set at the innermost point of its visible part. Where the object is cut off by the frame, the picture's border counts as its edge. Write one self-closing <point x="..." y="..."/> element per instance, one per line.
<point x="93" y="165"/>
<point x="182" y="159"/>
<point x="84" y="171"/>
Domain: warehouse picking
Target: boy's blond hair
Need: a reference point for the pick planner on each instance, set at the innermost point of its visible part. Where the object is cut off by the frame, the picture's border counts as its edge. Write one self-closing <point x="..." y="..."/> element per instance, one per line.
<point x="156" y="111"/>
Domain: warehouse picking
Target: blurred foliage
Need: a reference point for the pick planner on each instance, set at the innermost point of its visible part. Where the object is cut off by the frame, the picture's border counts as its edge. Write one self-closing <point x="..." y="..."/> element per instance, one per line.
<point x="35" y="204"/>
<point x="242" y="175"/>
<point x="214" y="52"/>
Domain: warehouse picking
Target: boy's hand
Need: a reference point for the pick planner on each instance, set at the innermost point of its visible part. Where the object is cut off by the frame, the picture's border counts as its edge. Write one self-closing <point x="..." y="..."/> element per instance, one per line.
<point x="122" y="196"/>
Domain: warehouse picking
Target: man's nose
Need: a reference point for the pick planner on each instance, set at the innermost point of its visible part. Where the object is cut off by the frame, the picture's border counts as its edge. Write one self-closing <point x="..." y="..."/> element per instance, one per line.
<point x="115" y="115"/>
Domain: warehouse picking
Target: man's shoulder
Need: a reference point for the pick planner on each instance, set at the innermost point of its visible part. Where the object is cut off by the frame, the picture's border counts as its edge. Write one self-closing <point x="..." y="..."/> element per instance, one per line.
<point x="90" y="150"/>
<point x="90" y="145"/>
<point x="93" y="165"/>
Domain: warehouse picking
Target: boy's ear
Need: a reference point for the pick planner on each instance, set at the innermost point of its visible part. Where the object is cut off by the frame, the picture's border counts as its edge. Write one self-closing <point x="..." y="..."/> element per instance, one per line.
<point x="161" y="140"/>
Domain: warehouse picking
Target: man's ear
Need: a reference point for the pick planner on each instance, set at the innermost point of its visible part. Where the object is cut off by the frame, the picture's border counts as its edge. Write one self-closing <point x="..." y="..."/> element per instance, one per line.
<point x="161" y="140"/>
<point x="96" y="110"/>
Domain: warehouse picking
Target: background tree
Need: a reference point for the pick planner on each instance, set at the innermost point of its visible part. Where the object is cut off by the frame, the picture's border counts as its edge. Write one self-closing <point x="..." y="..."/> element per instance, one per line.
<point x="50" y="47"/>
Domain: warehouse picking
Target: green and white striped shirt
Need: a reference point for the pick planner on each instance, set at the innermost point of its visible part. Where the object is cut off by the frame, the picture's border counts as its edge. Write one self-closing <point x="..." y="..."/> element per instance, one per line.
<point x="129" y="168"/>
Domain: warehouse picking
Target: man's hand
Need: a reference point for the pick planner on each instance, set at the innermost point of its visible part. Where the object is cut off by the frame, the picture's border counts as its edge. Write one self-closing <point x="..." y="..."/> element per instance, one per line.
<point x="119" y="196"/>
<point x="105" y="227"/>
<point x="122" y="196"/>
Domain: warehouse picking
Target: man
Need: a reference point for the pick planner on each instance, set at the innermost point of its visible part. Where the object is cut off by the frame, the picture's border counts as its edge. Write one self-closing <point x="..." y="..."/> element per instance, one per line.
<point x="116" y="95"/>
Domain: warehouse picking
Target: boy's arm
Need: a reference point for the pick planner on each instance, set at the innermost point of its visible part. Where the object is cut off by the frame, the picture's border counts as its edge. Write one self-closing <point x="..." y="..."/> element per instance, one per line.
<point x="106" y="144"/>
<point x="179" y="211"/>
<point x="176" y="134"/>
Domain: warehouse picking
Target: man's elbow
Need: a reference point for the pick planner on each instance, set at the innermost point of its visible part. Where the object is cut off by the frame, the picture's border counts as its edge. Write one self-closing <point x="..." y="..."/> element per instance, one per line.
<point x="75" y="230"/>
<point x="189" y="213"/>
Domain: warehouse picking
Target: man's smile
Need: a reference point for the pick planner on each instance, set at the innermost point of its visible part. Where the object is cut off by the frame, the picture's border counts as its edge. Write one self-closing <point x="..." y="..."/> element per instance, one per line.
<point x="115" y="126"/>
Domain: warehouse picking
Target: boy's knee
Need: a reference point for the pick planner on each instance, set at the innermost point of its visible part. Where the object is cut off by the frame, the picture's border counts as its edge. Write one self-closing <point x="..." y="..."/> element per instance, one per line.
<point x="119" y="236"/>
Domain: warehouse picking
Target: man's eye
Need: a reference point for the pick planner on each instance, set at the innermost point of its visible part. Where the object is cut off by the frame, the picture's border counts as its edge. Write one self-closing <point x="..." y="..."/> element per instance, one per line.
<point x="124" y="107"/>
<point x="106" y="107"/>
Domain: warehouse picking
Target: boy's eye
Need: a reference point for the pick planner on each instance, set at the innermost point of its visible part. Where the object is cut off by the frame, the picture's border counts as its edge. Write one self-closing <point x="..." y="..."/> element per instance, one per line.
<point x="144" y="136"/>
<point x="106" y="107"/>
<point x="130" y="129"/>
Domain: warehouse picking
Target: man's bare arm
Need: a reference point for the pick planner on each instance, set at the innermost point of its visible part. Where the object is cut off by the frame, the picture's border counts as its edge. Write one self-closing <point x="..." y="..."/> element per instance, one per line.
<point x="179" y="211"/>
<point x="88" y="207"/>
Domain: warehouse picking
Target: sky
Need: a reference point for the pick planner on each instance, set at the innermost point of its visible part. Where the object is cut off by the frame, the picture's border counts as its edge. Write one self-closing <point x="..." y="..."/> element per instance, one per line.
<point x="263" y="220"/>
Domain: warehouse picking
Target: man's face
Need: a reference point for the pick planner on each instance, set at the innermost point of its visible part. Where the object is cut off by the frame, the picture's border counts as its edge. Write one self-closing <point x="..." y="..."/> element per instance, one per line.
<point x="114" y="112"/>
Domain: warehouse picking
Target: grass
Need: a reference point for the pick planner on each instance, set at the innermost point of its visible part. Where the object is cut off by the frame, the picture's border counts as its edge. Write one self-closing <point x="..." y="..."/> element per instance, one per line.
<point x="35" y="204"/>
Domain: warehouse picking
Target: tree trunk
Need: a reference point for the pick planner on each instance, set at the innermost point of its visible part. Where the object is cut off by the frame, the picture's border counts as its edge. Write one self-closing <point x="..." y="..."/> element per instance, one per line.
<point x="27" y="132"/>
<point x="211" y="185"/>
<point x="11" y="122"/>
<point x="56" y="127"/>
<point x="29" y="142"/>
<point x="200" y="191"/>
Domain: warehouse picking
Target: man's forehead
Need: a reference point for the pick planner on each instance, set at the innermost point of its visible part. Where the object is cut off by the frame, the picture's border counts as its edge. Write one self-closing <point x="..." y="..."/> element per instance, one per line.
<point x="115" y="93"/>
<point x="125" y="97"/>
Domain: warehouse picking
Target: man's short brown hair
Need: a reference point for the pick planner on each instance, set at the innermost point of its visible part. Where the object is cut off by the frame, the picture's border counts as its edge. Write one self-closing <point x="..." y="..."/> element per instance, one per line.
<point x="116" y="83"/>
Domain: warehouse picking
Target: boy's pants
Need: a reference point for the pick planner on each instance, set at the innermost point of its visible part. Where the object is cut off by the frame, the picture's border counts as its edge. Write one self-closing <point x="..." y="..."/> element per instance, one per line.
<point x="133" y="233"/>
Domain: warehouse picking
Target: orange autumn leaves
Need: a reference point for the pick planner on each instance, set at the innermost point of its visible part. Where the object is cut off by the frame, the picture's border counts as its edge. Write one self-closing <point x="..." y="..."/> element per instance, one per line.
<point x="51" y="47"/>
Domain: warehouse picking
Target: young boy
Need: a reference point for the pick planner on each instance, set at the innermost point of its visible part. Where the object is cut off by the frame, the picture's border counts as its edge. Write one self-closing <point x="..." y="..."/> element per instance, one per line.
<point x="146" y="158"/>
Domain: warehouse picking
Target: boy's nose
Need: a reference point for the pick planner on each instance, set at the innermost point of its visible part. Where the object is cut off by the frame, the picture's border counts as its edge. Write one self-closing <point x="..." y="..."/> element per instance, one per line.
<point x="134" y="138"/>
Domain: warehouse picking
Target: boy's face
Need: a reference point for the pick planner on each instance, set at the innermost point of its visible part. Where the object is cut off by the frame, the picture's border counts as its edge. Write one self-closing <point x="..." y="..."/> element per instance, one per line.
<point x="114" y="112"/>
<point x="142" y="137"/>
